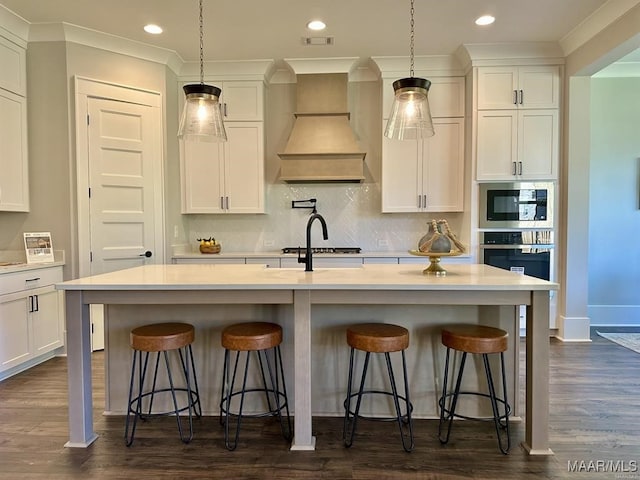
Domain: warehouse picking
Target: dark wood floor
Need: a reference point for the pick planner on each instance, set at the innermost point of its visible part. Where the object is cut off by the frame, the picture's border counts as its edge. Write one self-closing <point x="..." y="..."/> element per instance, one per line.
<point x="595" y="415"/>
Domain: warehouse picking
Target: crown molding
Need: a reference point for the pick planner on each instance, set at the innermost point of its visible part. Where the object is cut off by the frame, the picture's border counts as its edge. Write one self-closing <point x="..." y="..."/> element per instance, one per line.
<point x="429" y="65"/>
<point x="13" y="27"/>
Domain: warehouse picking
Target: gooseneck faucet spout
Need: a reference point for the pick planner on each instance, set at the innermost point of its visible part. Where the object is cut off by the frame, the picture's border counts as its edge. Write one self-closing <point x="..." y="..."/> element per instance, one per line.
<point x="308" y="258"/>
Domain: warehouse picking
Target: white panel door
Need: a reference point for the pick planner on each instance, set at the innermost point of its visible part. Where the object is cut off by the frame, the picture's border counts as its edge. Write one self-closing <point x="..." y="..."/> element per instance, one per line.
<point x="401" y="175"/>
<point x="538" y="144"/>
<point x="124" y="149"/>
<point x="443" y="176"/>
<point x="122" y="153"/>
<point x="14" y="325"/>
<point x="497" y="144"/>
<point x="202" y="176"/>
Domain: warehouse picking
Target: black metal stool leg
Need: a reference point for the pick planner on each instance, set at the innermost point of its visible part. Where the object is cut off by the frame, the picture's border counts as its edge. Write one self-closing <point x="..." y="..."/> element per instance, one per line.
<point x="129" y="440"/>
<point x="399" y="416"/>
<point x="275" y="389"/>
<point x="348" y="440"/>
<point x="232" y="445"/>
<point x="454" y="402"/>
<point x="494" y="404"/>
<point x="288" y="434"/>
<point x="347" y="401"/>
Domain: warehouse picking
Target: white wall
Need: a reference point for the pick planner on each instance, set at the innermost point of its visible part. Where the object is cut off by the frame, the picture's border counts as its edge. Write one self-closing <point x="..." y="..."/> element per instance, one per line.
<point x="614" y="203"/>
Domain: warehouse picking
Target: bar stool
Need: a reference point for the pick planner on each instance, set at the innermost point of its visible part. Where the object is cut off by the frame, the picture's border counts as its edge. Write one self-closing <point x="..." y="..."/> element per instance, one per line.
<point x="162" y="338"/>
<point x="263" y="339"/>
<point x="482" y="340"/>
<point x="378" y="338"/>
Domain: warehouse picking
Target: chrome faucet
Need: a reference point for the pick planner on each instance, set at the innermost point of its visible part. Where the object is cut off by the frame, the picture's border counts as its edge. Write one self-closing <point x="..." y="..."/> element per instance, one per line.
<point x="308" y="258"/>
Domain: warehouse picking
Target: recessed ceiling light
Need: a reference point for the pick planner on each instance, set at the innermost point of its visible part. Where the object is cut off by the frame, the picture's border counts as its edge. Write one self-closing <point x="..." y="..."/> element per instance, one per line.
<point x="485" y="20"/>
<point x="316" y="25"/>
<point x="154" y="29"/>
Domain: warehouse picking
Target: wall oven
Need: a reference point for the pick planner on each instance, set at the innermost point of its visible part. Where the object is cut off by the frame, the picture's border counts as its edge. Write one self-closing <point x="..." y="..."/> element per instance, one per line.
<point x="527" y="252"/>
<point x="516" y="205"/>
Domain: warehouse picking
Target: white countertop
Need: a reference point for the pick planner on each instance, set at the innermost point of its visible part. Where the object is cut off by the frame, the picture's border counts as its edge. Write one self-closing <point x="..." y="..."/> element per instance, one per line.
<point x="258" y="277"/>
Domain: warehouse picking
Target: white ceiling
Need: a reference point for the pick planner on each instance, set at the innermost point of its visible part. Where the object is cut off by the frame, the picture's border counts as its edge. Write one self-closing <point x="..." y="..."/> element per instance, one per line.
<point x="273" y="29"/>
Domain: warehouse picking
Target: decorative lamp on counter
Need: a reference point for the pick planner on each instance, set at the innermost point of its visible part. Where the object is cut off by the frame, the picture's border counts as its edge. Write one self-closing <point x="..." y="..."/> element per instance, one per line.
<point x="410" y="117"/>
<point x="201" y="116"/>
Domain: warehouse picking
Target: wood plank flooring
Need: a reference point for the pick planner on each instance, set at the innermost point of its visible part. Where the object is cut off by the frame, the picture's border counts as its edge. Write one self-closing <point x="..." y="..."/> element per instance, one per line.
<point x="595" y="415"/>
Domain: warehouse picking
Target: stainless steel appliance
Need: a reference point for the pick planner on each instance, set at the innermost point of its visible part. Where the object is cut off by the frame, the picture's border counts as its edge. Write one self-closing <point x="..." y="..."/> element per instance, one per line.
<point x="528" y="252"/>
<point x="516" y="205"/>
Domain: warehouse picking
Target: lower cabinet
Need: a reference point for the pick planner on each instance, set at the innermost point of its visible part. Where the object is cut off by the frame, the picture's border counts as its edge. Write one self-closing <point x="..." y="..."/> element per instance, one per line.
<point x="31" y="318"/>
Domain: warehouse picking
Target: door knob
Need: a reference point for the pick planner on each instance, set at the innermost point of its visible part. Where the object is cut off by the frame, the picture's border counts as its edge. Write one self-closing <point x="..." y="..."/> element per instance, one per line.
<point x="146" y="254"/>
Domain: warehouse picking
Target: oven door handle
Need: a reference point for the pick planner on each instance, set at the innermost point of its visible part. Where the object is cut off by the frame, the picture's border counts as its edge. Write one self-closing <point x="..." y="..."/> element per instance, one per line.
<point x="493" y="246"/>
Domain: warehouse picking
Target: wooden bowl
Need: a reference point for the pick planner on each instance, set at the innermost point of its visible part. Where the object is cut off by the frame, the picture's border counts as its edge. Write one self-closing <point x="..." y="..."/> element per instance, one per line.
<point x="210" y="248"/>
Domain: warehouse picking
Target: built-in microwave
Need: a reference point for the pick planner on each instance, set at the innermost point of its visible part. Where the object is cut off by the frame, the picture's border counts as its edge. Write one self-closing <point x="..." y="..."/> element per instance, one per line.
<point x="516" y="205"/>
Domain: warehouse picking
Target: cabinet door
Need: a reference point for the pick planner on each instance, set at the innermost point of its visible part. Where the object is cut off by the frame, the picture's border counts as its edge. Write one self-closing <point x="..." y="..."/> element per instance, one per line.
<point x="497" y="145"/>
<point x="14" y="179"/>
<point x="497" y="87"/>
<point x="540" y="87"/>
<point x="244" y="167"/>
<point x="401" y="176"/>
<point x="13" y="74"/>
<point x="538" y="144"/>
<point x="48" y="331"/>
<point x="443" y="173"/>
<point x="14" y="330"/>
<point x="242" y="101"/>
<point x="201" y="171"/>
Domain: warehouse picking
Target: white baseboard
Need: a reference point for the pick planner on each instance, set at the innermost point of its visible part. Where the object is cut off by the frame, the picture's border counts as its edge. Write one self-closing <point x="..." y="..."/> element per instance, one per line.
<point x="614" y="315"/>
<point x="574" y="329"/>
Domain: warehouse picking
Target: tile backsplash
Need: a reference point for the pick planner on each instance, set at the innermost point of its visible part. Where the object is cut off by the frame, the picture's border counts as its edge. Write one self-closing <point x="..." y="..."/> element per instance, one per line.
<point x="351" y="211"/>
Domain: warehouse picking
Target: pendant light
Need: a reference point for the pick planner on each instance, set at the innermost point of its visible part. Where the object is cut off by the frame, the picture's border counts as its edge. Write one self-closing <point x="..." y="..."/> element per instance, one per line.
<point x="201" y="116"/>
<point x="410" y="117"/>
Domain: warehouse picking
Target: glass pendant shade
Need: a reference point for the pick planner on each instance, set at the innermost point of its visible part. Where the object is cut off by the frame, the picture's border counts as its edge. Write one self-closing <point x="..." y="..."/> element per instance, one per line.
<point x="410" y="117"/>
<point x="201" y="116"/>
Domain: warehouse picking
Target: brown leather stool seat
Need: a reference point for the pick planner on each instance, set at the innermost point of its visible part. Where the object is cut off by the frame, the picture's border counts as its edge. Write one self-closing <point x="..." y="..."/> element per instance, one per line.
<point x="483" y="340"/>
<point x="263" y="339"/>
<point x="162" y="338"/>
<point x="381" y="338"/>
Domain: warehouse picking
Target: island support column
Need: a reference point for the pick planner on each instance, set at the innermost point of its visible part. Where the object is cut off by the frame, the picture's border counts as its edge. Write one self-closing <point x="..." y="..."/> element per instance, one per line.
<point x="537" y="395"/>
<point x="80" y="386"/>
<point x="302" y="438"/>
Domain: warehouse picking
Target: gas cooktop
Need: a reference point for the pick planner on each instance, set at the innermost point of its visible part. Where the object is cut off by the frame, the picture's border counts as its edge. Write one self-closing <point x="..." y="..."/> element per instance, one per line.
<point x="322" y="250"/>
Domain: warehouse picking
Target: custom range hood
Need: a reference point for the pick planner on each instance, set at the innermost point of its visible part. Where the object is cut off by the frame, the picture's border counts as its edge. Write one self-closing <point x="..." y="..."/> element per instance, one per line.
<point x="322" y="146"/>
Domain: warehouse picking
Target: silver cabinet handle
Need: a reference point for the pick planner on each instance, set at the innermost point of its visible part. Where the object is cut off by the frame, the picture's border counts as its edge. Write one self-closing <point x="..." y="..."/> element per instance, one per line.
<point x="419" y="201"/>
<point x="513" y="169"/>
<point x="519" y="168"/>
<point x="521" y="97"/>
<point x="224" y="109"/>
<point x="424" y="201"/>
<point x="226" y="201"/>
<point x="37" y="305"/>
<point x="221" y="203"/>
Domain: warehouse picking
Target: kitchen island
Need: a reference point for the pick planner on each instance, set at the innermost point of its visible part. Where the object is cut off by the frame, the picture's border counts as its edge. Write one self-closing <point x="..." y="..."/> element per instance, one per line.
<point x="392" y="293"/>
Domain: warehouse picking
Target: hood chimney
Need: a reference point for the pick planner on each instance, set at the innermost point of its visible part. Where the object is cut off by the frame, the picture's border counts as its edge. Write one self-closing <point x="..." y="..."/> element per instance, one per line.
<point x="322" y="146"/>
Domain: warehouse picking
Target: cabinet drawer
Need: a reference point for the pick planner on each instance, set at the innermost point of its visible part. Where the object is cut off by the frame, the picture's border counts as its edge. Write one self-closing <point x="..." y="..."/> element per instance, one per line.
<point x="30" y="279"/>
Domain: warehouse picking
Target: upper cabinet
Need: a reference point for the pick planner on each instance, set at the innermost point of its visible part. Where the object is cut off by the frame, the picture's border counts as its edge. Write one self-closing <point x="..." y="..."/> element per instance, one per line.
<point x="427" y="175"/>
<point x="242" y="100"/>
<point x="14" y="160"/>
<point x="518" y="123"/>
<point x="228" y="177"/>
<point x="518" y="87"/>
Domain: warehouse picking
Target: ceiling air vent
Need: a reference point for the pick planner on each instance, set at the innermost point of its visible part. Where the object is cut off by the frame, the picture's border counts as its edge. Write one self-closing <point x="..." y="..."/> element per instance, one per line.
<point x="317" y="40"/>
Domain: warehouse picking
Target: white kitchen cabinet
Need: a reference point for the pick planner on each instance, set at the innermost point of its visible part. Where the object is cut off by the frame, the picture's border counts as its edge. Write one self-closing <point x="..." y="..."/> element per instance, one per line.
<point x="31" y="317"/>
<point x="426" y="175"/>
<point x="446" y="96"/>
<point x="14" y="161"/>
<point x="523" y="87"/>
<point x="327" y="261"/>
<point x="225" y="177"/>
<point x="517" y="144"/>
<point x="242" y="100"/>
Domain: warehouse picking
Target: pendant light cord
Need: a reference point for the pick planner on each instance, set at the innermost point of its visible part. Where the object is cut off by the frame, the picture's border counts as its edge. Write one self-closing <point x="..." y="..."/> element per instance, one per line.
<point x="411" y="42"/>
<point x="202" y="46"/>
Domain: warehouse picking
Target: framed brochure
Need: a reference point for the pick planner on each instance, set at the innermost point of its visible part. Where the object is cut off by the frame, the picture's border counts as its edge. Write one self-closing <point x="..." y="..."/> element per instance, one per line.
<point x="38" y="247"/>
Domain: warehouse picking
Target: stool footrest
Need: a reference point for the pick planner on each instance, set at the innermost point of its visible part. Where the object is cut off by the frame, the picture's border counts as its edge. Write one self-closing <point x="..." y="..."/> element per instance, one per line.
<point x="194" y="402"/>
<point x="268" y="413"/>
<point x="352" y="413"/>
<point x="441" y="402"/>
